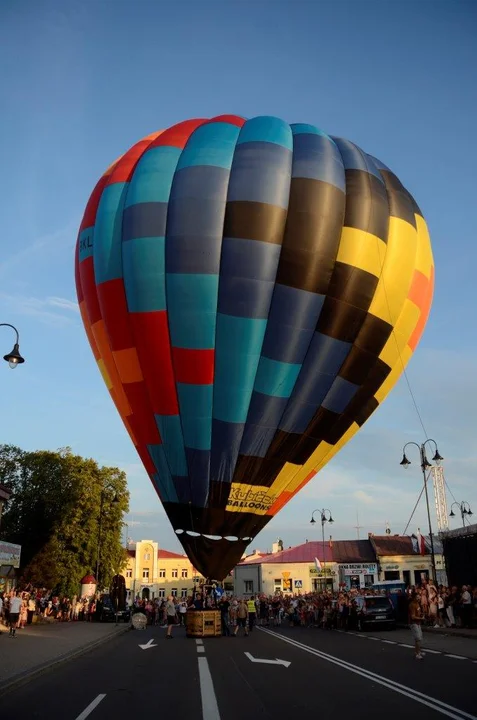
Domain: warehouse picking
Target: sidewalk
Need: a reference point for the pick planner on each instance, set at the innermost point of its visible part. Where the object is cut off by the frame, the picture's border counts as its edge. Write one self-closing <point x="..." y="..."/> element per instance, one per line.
<point x="447" y="631"/>
<point x="453" y="632"/>
<point x="39" y="647"/>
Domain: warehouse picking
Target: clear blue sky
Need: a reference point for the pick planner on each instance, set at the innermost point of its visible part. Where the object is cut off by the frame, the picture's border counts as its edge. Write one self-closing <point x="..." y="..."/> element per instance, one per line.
<point x="82" y="81"/>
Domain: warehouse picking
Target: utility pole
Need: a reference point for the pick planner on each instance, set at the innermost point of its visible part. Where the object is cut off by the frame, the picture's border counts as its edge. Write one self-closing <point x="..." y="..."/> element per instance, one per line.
<point x="357" y="527"/>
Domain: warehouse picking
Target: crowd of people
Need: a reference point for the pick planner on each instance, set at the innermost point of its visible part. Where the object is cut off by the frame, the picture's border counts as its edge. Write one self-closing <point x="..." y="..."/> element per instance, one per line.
<point x="440" y="606"/>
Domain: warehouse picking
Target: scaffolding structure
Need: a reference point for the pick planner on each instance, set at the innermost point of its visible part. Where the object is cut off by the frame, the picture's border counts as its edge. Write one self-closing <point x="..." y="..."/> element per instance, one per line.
<point x="439" y="483"/>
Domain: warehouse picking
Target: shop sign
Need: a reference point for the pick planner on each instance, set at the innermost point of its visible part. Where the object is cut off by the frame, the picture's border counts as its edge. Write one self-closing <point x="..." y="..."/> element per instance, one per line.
<point x="391" y="567"/>
<point x="322" y="573"/>
<point x="359" y="569"/>
<point x="10" y="554"/>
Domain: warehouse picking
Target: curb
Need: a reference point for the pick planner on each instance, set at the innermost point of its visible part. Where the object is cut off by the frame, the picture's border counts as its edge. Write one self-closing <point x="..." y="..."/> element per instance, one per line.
<point x="444" y="632"/>
<point x="24" y="677"/>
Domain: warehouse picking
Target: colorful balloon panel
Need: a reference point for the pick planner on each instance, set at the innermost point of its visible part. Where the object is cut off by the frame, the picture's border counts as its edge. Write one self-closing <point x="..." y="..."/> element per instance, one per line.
<point x="251" y="291"/>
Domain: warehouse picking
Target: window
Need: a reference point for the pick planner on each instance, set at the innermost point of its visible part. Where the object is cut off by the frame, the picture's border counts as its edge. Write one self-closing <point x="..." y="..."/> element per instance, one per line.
<point x="145" y="574"/>
<point x="184" y="573"/>
<point x="162" y="572"/>
<point x="161" y="593"/>
<point x="248" y="586"/>
<point x="174" y="592"/>
<point x="184" y="593"/>
<point x="129" y="573"/>
<point x="147" y="557"/>
<point x="175" y="573"/>
<point x="392" y="575"/>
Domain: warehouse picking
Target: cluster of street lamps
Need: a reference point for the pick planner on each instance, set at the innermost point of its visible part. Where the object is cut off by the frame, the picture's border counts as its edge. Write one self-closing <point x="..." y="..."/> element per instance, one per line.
<point x="425" y="466"/>
<point x="464" y="509"/>
<point x="13" y="358"/>
<point x="325" y="517"/>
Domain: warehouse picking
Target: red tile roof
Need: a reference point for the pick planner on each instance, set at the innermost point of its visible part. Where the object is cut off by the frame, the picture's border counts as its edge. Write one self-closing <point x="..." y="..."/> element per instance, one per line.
<point x="341" y="551"/>
<point x="300" y="553"/>
<point x="167" y="555"/>
<point x="353" y="551"/>
<point x="162" y="555"/>
<point x="392" y="544"/>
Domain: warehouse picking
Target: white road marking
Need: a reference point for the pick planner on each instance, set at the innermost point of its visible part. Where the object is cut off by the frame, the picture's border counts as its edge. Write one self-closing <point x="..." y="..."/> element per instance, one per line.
<point x="404" y="645"/>
<point x="200" y="649"/>
<point x="264" y="661"/>
<point x="415" y="695"/>
<point x="390" y="642"/>
<point x="94" y="704"/>
<point x="456" y="657"/>
<point x="371" y="638"/>
<point x="432" y="652"/>
<point x="199" y="642"/>
<point x="148" y="645"/>
<point x="210" y="709"/>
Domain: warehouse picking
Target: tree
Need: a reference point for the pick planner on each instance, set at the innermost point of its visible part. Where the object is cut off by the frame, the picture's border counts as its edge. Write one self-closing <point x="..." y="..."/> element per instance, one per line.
<point x="54" y="514"/>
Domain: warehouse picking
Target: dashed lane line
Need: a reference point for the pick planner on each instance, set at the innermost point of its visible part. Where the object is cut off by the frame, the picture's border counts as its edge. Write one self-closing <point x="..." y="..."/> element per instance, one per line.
<point x="92" y="706"/>
<point x="200" y="649"/>
<point x="210" y="708"/>
<point x="456" y="657"/>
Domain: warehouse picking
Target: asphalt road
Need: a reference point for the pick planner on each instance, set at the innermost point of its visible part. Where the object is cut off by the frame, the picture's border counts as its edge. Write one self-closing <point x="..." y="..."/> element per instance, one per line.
<point x="222" y="679"/>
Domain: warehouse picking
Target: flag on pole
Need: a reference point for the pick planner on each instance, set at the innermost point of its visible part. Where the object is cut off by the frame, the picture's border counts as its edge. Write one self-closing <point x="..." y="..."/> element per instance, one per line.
<point x="421" y="542"/>
<point x="317" y="564"/>
<point x="415" y="543"/>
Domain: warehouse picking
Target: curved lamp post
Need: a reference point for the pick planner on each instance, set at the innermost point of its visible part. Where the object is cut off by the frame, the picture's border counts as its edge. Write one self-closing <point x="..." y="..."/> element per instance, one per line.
<point x="325" y="516"/>
<point x="13" y="358"/>
<point x="425" y="465"/>
<point x="114" y="501"/>
<point x="464" y="509"/>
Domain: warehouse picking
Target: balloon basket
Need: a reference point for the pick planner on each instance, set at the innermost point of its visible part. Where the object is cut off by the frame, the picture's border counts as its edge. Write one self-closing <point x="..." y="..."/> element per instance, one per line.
<point x="203" y="623"/>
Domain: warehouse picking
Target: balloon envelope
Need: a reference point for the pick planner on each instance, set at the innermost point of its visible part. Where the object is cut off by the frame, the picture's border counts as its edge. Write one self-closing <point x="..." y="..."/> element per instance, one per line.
<point x="251" y="291"/>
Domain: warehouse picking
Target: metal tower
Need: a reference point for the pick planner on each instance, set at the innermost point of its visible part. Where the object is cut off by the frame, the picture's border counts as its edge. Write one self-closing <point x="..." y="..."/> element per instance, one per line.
<point x="437" y="472"/>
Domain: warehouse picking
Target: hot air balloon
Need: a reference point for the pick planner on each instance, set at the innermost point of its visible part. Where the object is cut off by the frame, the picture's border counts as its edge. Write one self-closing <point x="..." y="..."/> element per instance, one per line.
<point x="251" y="291"/>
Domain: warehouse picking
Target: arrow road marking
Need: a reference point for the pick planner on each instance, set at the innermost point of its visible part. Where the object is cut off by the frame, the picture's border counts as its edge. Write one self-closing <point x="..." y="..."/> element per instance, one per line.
<point x="148" y="645"/>
<point x="285" y="663"/>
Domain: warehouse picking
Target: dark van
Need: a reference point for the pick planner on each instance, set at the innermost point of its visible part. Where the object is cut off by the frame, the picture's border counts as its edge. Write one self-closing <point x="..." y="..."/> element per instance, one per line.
<point x="374" y="610"/>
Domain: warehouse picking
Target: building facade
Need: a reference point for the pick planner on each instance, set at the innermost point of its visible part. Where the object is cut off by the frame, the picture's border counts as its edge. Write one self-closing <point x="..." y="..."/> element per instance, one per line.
<point x="338" y="564"/>
<point x="155" y="573"/>
<point x="398" y="560"/>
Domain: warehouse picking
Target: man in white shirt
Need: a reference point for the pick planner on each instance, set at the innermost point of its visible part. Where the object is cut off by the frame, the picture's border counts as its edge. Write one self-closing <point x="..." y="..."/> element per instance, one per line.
<point x="14" y="616"/>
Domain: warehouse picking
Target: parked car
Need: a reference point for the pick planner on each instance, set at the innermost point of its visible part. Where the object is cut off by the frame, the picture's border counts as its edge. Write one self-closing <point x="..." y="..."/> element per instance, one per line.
<point x="374" y="610"/>
<point x="108" y="612"/>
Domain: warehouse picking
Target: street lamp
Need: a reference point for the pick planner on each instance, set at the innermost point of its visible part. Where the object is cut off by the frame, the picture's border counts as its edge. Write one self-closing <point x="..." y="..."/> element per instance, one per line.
<point x="425" y="465"/>
<point x="464" y="509"/>
<point x="13" y="358"/>
<point x="325" y="516"/>
<point x="115" y="501"/>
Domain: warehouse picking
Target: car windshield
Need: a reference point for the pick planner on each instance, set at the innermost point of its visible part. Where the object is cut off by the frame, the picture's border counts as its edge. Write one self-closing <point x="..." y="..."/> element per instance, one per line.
<point x="380" y="603"/>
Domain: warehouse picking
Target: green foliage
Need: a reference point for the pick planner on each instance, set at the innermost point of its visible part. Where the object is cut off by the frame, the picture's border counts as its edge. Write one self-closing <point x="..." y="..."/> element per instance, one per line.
<point x="55" y="515"/>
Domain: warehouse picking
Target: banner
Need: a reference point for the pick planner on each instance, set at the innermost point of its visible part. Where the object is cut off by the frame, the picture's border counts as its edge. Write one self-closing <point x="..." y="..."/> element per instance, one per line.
<point x="10" y="554"/>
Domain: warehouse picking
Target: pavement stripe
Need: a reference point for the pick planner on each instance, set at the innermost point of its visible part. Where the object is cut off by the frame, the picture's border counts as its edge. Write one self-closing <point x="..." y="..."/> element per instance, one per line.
<point x="200" y="649"/>
<point x="456" y="657"/>
<point x="199" y="642"/>
<point x="406" y="646"/>
<point x="415" y="695"/>
<point x="371" y="638"/>
<point x="88" y="710"/>
<point x="210" y="709"/>
<point x="432" y="652"/>
<point x="390" y="642"/>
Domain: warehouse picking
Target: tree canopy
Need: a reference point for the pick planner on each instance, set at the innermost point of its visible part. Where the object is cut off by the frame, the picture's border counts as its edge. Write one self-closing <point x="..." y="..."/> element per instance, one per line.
<point x="55" y="515"/>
